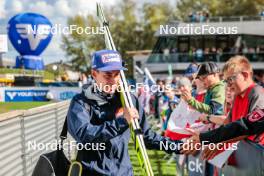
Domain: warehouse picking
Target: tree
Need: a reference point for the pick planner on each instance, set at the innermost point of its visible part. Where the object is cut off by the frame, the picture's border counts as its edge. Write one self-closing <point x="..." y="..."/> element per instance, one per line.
<point x="131" y="29"/>
<point x="154" y="16"/>
<point x="79" y="46"/>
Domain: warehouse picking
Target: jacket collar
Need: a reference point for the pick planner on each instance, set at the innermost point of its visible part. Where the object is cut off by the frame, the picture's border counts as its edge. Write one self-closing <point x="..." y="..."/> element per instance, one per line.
<point x="92" y="93"/>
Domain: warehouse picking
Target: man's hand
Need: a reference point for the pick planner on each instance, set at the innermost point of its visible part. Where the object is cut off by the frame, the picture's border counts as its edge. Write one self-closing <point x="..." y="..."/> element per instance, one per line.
<point x="130" y="114"/>
<point x="195" y="135"/>
<point x="186" y="94"/>
<point x="203" y="118"/>
<point x="208" y="153"/>
<point x="192" y="144"/>
<point x="190" y="147"/>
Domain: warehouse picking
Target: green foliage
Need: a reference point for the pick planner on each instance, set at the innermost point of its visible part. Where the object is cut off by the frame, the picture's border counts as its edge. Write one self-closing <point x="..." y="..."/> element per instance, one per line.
<point x="80" y="46"/>
<point x="131" y="29"/>
<point x="154" y="16"/>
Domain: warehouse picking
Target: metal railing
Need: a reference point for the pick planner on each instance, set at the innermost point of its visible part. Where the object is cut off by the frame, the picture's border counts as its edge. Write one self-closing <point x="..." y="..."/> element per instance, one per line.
<point x="236" y="18"/>
<point x="19" y="128"/>
<point x="186" y="57"/>
<point x="225" y="19"/>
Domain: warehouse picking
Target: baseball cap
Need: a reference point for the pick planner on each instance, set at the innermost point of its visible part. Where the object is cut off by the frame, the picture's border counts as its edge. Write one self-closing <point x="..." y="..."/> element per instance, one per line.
<point x="107" y="60"/>
<point x="208" y="68"/>
<point x="191" y="69"/>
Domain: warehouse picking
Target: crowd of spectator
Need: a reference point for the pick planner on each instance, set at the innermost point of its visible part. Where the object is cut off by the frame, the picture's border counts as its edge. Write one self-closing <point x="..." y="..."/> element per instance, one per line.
<point x="212" y="54"/>
<point x="222" y="96"/>
<point x="200" y="16"/>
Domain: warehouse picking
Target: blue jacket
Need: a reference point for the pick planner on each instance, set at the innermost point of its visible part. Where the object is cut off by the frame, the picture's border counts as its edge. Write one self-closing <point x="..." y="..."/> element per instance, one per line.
<point x="92" y="119"/>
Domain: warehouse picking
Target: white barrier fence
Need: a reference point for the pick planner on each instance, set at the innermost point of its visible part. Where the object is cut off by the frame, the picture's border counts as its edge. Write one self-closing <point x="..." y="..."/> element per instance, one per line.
<point x="19" y="128"/>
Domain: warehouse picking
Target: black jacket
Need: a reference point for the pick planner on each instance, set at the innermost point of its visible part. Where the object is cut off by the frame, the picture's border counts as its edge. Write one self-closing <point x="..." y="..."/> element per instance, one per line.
<point x="252" y="124"/>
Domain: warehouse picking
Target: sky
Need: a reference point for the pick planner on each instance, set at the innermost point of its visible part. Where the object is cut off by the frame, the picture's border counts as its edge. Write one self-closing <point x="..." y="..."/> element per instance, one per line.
<point x="57" y="11"/>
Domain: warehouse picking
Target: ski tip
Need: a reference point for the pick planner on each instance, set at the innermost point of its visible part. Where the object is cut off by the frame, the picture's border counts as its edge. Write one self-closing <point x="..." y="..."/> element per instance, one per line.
<point x="97" y="8"/>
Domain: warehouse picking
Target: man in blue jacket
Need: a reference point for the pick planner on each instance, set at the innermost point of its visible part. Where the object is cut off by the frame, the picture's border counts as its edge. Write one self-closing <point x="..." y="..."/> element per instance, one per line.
<point x="96" y="118"/>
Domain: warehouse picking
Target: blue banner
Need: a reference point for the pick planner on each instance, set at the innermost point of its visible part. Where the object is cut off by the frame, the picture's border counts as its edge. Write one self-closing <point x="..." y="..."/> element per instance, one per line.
<point x="30" y="62"/>
<point x="25" y="95"/>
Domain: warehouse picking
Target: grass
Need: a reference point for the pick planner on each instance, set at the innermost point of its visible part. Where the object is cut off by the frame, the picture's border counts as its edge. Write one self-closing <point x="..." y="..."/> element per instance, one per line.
<point x="46" y="74"/>
<point x="19" y="71"/>
<point x="10" y="106"/>
<point x="160" y="161"/>
<point x="159" y="164"/>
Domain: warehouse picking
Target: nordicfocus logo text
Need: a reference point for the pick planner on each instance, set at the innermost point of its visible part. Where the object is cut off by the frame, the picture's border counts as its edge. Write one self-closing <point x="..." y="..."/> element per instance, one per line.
<point x="197" y="146"/>
<point x="71" y="145"/>
<point x="190" y="29"/>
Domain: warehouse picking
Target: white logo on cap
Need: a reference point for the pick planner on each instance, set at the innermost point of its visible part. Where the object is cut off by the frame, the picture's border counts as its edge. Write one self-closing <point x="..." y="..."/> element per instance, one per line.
<point x="111" y="58"/>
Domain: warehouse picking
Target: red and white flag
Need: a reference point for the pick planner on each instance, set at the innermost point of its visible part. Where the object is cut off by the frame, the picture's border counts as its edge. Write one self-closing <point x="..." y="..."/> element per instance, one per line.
<point x="182" y="118"/>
